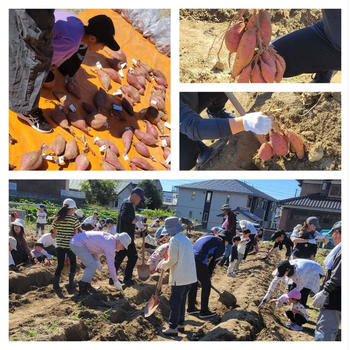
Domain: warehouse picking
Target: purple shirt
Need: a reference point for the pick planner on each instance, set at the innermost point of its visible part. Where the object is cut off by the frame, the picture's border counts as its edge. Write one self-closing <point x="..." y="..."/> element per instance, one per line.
<point x="67" y="34"/>
<point x="43" y="252"/>
<point x="225" y="224"/>
<point x="98" y="243"/>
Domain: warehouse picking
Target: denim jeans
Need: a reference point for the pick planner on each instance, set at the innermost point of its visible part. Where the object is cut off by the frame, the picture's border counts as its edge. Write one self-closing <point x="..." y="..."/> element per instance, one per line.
<point x="88" y="260"/>
<point x="177" y="305"/>
<point x="327" y="325"/>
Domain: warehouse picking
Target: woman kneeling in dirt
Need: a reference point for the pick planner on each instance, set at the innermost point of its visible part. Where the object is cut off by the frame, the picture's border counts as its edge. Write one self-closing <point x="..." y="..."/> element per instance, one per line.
<point x="65" y="225"/>
<point x="182" y="268"/>
<point x="302" y="274"/>
<point x="21" y="253"/>
<point x="88" y="245"/>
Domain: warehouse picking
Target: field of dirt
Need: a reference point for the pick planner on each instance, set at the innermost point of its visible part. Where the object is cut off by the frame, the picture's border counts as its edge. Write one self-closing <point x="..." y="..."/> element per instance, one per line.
<point x="199" y="28"/>
<point x="314" y="116"/>
<point x="37" y="313"/>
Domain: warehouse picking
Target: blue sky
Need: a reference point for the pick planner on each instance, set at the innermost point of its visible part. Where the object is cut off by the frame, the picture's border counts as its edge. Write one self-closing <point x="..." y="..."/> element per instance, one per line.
<point x="279" y="189"/>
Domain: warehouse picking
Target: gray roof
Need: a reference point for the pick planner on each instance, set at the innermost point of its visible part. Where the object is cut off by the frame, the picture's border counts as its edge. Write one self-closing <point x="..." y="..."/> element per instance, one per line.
<point x="231" y="186"/>
<point x="248" y="214"/>
<point x="314" y="201"/>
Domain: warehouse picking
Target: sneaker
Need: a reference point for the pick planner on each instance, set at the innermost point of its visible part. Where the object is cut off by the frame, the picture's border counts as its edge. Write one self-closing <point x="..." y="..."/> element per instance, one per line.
<point x="169" y="331"/>
<point x="206" y="314"/>
<point x="290" y="325"/>
<point x="181" y="328"/>
<point x="111" y="282"/>
<point x="323" y="77"/>
<point x="194" y="311"/>
<point x="220" y="114"/>
<point x="231" y="274"/>
<point x="296" y="327"/>
<point x="36" y="120"/>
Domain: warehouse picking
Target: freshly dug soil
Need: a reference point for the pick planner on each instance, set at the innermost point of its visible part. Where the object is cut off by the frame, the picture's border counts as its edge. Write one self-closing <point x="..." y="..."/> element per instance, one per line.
<point x="199" y="28"/>
<point x="37" y="313"/>
<point x="316" y="117"/>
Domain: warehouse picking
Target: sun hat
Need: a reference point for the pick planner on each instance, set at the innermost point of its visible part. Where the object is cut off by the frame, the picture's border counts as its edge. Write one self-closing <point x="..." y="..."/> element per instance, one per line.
<point x="70" y="203"/>
<point x="18" y="222"/>
<point x="294" y="294"/>
<point x="172" y="226"/>
<point x="124" y="239"/>
<point x="225" y="207"/>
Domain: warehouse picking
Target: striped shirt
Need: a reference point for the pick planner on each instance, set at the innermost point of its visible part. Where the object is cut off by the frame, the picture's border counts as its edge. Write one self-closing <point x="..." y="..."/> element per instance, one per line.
<point x="65" y="230"/>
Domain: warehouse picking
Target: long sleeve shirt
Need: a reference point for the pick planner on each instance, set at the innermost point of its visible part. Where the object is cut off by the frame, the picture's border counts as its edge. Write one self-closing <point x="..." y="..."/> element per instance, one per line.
<point x="197" y="128"/>
<point x="98" y="243"/>
<point x="125" y="218"/>
<point x="47" y="240"/>
<point x="43" y="252"/>
<point x="206" y="247"/>
<point x="333" y="285"/>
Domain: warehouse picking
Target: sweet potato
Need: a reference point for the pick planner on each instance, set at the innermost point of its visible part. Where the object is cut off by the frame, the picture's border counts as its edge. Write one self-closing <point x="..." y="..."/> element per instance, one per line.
<point x="265" y="28"/>
<point x="160" y="78"/>
<point x="136" y="81"/>
<point x="78" y="121"/>
<point x="166" y="152"/>
<point x="150" y="129"/>
<point x="113" y="75"/>
<point x="160" y="127"/>
<point x="88" y="108"/>
<point x="119" y="55"/>
<point x="244" y="77"/>
<point x="65" y="99"/>
<point x="296" y="144"/>
<point x="107" y="166"/>
<point x="127" y="105"/>
<point x="152" y="114"/>
<point x="131" y="92"/>
<point x="265" y="151"/>
<point x="281" y="61"/>
<point x="31" y="160"/>
<point x="279" y="144"/>
<point x="233" y="36"/>
<point x="245" y="51"/>
<point x="142" y="149"/>
<point x="146" y="67"/>
<point x="143" y="72"/>
<point x="114" y="63"/>
<point x="97" y="121"/>
<point x="251" y="22"/>
<point x="255" y="75"/>
<point x="111" y="158"/>
<point x="59" y="117"/>
<point x="141" y="163"/>
<point x="127" y="140"/>
<point x="268" y="72"/>
<point x="147" y="139"/>
<point x="166" y="142"/>
<point x="118" y="112"/>
<point x="104" y="78"/>
<point x="73" y="87"/>
<point x="163" y="116"/>
<point x="100" y="99"/>
<point x="58" y="145"/>
<point x="102" y="142"/>
<point x="71" y="151"/>
<point x="82" y="162"/>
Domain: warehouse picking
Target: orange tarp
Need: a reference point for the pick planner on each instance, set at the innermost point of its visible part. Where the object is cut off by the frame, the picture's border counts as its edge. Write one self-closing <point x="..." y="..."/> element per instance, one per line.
<point x="134" y="46"/>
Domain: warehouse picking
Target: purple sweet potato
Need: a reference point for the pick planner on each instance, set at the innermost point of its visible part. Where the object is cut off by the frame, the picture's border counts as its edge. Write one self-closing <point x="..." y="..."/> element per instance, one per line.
<point x="160" y="78"/>
<point x="141" y="163"/>
<point x="107" y="143"/>
<point x="151" y="129"/>
<point x="78" y="121"/>
<point x="31" y="160"/>
<point x="73" y="87"/>
<point x="58" y="145"/>
<point x="71" y="151"/>
<point x="112" y="74"/>
<point x="111" y="158"/>
<point x="100" y="99"/>
<point x="142" y="149"/>
<point x="104" y="78"/>
<point x="97" y="121"/>
<point x="147" y="139"/>
<point x="127" y="140"/>
<point x="131" y="92"/>
<point x="82" y="162"/>
<point x="89" y="109"/>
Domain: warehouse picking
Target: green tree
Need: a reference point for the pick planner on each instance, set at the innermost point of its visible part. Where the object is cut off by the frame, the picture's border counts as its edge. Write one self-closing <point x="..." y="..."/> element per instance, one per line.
<point x="99" y="192"/>
<point x="153" y="197"/>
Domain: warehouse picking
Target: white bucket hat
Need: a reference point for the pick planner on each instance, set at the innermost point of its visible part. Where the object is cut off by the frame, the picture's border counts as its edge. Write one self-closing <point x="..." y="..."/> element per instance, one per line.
<point x="124" y="239"/>
<point x="172" y="226"/>
<point x="70" y="203"/>
<point x="18" y="222"/>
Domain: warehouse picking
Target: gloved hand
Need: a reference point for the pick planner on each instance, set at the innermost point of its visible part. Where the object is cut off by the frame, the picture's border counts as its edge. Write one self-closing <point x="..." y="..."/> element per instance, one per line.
<point x="256" y="122"/>
<point x="319" y="299"/>
<point x="118" y="285"/>
<point x="266" y="298"/>
<point x="160" y="265"/>
<point x="99" y="265"/>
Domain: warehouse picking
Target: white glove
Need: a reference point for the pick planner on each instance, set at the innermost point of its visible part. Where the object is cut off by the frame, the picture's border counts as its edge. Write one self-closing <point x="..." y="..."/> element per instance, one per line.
<point x="99" y="265"/>
<point x="319" y="299"/>
<point x="257" y="123"/>
<point x="118" y="285"/>
<point x="266" y="298"/>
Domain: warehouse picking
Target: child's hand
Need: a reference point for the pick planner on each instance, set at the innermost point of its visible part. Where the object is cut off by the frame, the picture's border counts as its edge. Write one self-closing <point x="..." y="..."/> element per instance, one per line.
<point x="36" y="260"/>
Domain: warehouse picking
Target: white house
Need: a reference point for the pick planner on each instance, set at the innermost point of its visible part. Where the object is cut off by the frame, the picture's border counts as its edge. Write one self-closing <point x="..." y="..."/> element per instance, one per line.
<point x="202" y="201"/>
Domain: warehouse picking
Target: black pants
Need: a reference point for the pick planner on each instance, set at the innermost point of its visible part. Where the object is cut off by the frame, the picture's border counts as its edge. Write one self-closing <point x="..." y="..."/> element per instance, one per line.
<point x="30" y="55"/>
<point x="306" y="52"/>
<point x="61" y="256"/>
<point x="51" y="250"/>
<point x="131" y="253"/>
<point x="198" y="101"/>
<point x="19" y="256"/>
<point x="203" y="276"/>
<point x="72" y="65"/>
<point x="304" y="293"/>
<point x="296" y="318"/>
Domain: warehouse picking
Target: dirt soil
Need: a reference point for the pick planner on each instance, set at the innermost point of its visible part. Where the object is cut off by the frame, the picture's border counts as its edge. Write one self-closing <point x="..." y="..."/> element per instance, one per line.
<point x="199" y="28"/>
<point x="37" y="313"/>
<point x="314" y="116"/>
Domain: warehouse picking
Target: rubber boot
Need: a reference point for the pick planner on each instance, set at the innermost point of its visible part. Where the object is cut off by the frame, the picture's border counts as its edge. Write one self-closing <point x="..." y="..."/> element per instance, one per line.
<point x="83" y="288"/>
<point x="56" y="283"/>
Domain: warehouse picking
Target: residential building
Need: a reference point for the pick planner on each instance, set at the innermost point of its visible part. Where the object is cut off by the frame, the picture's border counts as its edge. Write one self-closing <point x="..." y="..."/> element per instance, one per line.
<point x="320" y="198"/>
<point x="202" y="202"/>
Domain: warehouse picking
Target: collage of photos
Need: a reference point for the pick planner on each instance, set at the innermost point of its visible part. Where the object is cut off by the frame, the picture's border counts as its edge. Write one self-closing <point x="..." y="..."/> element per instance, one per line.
<point x="244" y="251"/>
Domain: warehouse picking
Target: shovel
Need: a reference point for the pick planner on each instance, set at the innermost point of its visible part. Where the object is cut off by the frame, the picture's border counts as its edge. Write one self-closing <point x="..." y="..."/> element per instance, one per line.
<point x="226" y="298"/>
<point x="143" y="269"/>
<point x="153" y="303"/>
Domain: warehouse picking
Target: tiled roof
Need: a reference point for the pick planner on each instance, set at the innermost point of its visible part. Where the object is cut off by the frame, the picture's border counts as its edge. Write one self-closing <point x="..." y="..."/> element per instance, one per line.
<point x="248" y="214"/>
<point x="314" y="201"/>
<point x="233" y="186"/>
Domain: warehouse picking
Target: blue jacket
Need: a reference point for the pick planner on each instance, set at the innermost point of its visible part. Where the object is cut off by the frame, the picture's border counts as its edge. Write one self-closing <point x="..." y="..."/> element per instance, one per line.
<point x="206" y="247"/>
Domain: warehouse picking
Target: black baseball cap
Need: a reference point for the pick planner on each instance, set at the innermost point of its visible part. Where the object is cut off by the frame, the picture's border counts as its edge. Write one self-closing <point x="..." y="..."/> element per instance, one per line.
<point x="282" y="267"/>
<point x="313" y="220"/>
<point x="277" y="234"/>
<point x="140" y="192"/>
<point x="226" y="236"/>
<point x="102" y="28"/>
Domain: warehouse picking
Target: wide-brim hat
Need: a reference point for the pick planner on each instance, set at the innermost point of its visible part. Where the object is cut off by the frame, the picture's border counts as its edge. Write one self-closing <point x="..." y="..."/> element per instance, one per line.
<point x="18" y="222"/>
<point x="172" y="226"/>
<point x="225" y="207"/>
<point x="124" y="239"/>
